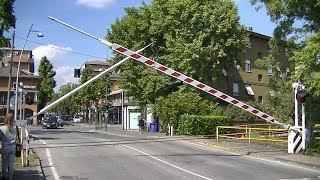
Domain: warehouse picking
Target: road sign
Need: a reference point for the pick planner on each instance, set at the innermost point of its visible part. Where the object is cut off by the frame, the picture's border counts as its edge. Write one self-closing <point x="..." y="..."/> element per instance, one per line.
<point x="21" y="123"/>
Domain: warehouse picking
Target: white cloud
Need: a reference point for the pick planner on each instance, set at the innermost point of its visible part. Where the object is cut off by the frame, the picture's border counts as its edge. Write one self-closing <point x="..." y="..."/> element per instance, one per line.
<point x="95" y="3"/>
<point x="52" y="52"/>
<point x="56" y="56"/>
<point x="64" y="75"/>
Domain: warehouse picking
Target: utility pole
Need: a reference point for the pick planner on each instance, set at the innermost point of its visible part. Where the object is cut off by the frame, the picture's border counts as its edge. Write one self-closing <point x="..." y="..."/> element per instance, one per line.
<point x="10" y="73"/>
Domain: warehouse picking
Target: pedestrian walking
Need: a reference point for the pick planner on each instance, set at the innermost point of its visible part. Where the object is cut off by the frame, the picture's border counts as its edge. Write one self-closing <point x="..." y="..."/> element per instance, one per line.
<point x="8" y="139"/>
<point x="141" y="125"/>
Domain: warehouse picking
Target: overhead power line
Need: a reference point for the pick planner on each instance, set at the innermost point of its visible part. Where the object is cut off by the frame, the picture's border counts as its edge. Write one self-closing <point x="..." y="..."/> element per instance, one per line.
<point x="69" y="51"/>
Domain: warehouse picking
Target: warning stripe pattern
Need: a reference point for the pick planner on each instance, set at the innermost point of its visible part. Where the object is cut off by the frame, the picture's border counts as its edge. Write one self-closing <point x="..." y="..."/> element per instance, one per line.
<point x="193" y="82"/>
<point x="297" y="141"/>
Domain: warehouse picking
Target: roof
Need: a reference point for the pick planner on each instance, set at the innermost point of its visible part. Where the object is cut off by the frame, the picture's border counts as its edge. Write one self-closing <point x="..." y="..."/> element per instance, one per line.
<point x="116" y="92"/>
<point x="99" y="62"/>
<point x="259" y="35"/>
<point x="4" y="72"/>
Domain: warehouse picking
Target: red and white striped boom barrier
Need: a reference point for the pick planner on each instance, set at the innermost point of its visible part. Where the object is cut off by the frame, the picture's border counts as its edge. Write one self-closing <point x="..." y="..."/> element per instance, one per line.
<point x="175" y="74"/>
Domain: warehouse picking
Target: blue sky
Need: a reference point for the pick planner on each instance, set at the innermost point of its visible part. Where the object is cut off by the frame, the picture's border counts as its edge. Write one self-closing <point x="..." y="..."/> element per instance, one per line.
<point x="94" y="17"/>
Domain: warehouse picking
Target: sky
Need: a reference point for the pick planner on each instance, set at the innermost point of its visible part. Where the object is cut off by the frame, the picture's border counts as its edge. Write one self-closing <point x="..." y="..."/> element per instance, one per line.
<point x="68" y="49"/>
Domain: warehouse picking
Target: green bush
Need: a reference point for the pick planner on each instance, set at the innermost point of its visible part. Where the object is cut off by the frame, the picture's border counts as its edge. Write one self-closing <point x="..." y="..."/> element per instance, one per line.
<point x="201" y="125"/>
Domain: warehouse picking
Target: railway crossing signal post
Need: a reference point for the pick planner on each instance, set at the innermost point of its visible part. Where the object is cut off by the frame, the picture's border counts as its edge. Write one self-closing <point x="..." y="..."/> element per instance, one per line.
<point x="297" y="134"/>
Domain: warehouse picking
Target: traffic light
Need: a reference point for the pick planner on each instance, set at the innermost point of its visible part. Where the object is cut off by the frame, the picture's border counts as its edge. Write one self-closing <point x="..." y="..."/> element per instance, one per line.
<point x="301" y="96"/>
<point x="76" y="73"/>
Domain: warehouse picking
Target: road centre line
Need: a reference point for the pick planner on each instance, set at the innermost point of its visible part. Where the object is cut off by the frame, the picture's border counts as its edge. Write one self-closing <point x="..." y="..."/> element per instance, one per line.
<point x="257" y="158"/>
<point x="172" y="165"/>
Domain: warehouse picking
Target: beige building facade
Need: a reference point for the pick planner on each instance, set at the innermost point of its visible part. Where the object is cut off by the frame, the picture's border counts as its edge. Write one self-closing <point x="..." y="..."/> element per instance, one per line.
<point x="249" y="82"/>
<point x="30" y="82"/>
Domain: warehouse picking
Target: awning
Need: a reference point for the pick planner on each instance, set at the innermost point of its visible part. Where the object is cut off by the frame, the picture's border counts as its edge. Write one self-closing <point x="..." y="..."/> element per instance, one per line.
<point x="116" y="92"/>
<point x="249" y="90"/>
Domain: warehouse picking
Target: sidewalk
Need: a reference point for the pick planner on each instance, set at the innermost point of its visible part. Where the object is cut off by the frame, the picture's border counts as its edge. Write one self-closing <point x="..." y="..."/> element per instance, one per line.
<point x="264" y="150"/>
<point x="31" y="172"/>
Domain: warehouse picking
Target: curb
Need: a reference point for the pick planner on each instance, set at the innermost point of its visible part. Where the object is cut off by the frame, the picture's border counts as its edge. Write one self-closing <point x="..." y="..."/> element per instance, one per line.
<point x="40" y="170"/>
<point x="257" y="155"/>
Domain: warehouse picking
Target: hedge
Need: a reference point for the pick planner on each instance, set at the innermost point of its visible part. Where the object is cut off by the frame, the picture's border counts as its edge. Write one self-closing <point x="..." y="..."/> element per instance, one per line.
<point x="201" y="125"/>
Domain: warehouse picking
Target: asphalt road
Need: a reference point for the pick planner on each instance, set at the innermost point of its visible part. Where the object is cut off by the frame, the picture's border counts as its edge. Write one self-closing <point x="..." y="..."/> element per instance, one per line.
<point x="79" y="152"/>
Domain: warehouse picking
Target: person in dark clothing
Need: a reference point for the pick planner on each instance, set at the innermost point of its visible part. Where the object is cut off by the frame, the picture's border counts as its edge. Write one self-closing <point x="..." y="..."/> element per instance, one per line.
<point x="141" y="125"/>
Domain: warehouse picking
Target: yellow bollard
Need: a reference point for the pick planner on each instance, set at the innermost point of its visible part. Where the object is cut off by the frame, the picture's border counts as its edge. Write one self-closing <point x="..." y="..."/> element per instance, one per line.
<point x="249" y="135"/>
<point x="217" y="133"/>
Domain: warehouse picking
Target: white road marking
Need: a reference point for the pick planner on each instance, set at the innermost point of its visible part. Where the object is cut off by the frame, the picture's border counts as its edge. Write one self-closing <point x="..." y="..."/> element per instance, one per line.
<point x="177" y="167"/>
<point x="252" y="157"/>
<point x="51" y="164"/>
<point x="102" y="139"/>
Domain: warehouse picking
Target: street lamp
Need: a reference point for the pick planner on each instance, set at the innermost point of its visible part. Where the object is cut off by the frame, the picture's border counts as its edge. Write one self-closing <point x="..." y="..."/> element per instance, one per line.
<point x="18" y="72"/>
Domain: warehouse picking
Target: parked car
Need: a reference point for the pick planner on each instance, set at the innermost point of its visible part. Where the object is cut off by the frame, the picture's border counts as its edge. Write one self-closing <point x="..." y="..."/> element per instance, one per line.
<point x="77" y="119"/>
<point x="50" y="122"/>
<point x="60" y="121"/>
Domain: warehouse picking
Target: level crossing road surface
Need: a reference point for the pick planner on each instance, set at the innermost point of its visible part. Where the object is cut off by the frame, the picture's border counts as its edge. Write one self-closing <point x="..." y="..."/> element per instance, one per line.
<point x="81" y="152"/>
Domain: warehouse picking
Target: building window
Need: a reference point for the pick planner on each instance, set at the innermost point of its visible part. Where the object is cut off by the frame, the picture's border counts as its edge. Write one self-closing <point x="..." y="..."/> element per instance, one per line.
<point x="279" y="73"/>
<point x="269" y="48"/>
<point x="248" y="42"/>
<point x="259" y="55"/>
<point x="260" y="78"/>
<point x="287" y="53"/>
<point x="247" y="65"/>
<point x="270" y="70"/>
<point x="235" y="89"/>
<point x="260" y="99"/>
<point x="287" y="71"/>
<point x="249" y="90"/>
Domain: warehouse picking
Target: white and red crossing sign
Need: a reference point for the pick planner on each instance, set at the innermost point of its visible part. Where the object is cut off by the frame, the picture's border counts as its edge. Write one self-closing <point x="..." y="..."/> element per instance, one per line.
<point x="194" y="83"/>
<point x="180" y="76"/>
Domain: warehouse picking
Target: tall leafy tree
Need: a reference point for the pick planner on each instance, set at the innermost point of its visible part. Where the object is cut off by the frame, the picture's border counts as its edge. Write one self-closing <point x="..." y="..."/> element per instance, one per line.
<point x="198" y="38"/>
<point x="67" y="106"/>
<point x="47" y="73"/>
<point x="7" y="19"/>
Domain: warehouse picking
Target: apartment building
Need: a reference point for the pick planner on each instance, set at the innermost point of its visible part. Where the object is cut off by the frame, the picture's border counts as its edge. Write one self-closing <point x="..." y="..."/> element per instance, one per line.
<point x="97" y="65"/>
<point x="249" y="82"/>
<point x="30" y="81"/>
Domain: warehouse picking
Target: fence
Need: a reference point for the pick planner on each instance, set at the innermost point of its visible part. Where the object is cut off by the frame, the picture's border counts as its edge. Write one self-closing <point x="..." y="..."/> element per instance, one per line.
<point x="247" y="132"/>
<point x="316" y="132"/>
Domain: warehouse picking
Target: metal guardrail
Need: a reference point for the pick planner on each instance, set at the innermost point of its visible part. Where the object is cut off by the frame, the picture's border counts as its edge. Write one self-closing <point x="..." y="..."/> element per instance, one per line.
<point x="246" y="132"/>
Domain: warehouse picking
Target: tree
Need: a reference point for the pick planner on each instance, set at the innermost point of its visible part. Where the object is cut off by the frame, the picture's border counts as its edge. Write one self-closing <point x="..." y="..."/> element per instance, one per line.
<point x="46" y="73"/>
<point x="198" y="38"/>
<point x="92" y="93"/>
<point x="170" y="108"/>
<point x="68" y="106"/>
<point x="7" y="19"/>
